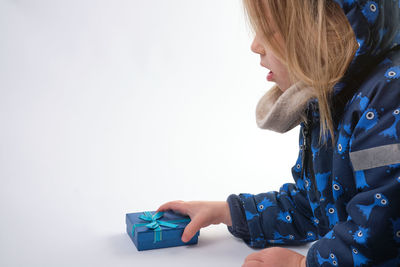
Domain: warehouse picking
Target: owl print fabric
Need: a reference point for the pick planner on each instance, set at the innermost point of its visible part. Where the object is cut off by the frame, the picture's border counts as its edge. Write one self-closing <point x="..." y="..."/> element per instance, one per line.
<point x="344" y="195"/>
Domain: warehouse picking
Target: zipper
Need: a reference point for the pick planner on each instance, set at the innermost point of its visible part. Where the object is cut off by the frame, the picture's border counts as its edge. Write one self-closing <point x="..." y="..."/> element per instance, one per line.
<point x="307" y="166"/>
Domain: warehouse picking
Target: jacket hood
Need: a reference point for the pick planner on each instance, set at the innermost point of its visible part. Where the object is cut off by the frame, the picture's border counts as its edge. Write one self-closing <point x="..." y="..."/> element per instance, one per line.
<point x="376" y="25"/>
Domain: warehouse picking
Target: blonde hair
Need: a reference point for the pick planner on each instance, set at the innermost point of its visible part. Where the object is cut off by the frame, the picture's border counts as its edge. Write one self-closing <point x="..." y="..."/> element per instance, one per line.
<point x="319" y="44"/>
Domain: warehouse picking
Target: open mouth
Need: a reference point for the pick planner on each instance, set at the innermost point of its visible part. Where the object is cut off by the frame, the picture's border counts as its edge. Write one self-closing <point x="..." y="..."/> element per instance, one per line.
<point x="270" y="76"/>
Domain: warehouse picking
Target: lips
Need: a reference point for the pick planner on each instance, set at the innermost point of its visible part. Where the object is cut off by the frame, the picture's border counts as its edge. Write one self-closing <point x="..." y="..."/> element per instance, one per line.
<point x="270" y="76"/>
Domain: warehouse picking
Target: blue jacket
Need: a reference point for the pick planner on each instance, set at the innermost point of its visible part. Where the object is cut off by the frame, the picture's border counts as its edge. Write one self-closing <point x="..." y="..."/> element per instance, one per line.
<point x="345" y="195"/>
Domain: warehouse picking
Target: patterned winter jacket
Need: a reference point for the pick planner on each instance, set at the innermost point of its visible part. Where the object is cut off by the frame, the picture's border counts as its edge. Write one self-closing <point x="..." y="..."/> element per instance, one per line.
<point x="346" y="195"/>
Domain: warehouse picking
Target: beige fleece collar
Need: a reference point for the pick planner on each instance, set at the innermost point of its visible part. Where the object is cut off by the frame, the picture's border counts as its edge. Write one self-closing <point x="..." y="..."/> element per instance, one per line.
<point x="282" y="111"/>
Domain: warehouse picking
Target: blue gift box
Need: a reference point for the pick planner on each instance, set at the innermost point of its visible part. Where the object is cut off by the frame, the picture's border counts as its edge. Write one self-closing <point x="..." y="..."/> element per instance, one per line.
<point x="151" y="230"/>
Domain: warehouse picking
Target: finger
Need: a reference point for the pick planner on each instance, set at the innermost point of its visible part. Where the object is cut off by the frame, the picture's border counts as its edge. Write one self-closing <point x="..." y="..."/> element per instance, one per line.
<point x="177" y="205"/>
<point x="190" y="230"/>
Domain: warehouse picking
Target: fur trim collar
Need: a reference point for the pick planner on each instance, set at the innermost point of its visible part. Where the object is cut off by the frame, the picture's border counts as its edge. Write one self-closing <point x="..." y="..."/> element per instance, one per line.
<point x="282" y="111"/>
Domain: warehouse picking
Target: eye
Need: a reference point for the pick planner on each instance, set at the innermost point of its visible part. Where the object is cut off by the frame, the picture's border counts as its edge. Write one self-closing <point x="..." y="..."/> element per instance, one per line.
<point x="340" y="147"/>
<point x="288" y="217"/>
<point x="332" y="256"/>
<point x="331" y="210"/>
<point x="396" y="112"/>
<point x="383" y="201"/>
<point x="291" y="237"/>
<point x="311" y="234"/>
<point x="355" y="251"/>
<point x="360" y="234"/>
<point x="398" y="234"/>
<point x="372" y="7"/>
<point x="378" y="196"/>
<point x="334" y="263"/>
<point x="336" y="187"/>
<point x="298" y="166"/>
<point x="370" y="115"/>
<point x="261" y="207"/>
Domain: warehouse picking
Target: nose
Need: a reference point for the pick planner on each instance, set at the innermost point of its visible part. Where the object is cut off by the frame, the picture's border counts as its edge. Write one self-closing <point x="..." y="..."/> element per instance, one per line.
<point x="256" y="47"/>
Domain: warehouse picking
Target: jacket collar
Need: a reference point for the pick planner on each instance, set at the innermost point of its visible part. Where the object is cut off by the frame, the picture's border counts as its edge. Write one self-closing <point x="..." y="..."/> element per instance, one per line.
<point x="282" y="111"/>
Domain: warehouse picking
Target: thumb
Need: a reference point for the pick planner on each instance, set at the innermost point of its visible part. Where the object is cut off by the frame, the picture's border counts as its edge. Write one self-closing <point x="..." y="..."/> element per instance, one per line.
<point x="190" y="230"/>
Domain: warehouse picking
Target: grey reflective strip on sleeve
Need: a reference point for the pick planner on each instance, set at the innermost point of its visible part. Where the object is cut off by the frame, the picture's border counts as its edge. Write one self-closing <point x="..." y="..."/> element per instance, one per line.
<point x="375" y="157"/>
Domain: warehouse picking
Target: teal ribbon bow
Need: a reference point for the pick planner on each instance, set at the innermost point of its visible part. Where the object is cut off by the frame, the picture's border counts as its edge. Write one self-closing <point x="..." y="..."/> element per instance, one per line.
<point x="154" y="223"/>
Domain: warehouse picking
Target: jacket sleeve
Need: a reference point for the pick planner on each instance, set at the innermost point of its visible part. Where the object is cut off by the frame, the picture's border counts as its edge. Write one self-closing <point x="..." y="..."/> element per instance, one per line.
<point x="371" y="234"/>
<point x="283" y="217"/>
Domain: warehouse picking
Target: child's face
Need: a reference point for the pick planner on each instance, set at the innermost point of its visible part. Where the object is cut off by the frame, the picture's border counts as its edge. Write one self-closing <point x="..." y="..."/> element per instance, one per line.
<point x="279" y="73"/>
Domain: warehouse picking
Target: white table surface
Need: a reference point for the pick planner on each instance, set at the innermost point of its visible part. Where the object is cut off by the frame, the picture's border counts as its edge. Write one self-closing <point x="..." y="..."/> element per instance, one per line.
<point x="216" y="247"/>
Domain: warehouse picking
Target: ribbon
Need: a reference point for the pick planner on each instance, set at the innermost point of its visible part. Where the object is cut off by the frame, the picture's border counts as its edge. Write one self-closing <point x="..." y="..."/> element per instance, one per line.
<point x="155" y="224"/>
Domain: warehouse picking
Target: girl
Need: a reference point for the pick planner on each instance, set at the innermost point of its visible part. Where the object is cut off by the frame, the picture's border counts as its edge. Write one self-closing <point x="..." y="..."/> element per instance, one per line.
<point x="336" y="64"/>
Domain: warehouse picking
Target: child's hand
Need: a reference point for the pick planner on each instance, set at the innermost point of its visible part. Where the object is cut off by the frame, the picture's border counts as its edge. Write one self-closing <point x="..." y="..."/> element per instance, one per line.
<point x="201" y="213"/>
<point x="275" y="257"/>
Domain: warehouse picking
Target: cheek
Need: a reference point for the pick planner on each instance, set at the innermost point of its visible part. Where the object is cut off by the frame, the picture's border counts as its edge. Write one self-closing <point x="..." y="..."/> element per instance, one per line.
<point x="276" y="65"/>
<point x="281" y="69"/>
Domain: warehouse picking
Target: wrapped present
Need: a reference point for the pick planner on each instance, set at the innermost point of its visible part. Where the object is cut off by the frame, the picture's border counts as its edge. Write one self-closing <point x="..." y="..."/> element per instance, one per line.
<point x="150" y="230"/>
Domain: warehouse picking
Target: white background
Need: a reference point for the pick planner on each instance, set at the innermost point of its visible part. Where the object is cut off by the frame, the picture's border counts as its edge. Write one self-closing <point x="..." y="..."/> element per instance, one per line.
<point x="110" y="107"/>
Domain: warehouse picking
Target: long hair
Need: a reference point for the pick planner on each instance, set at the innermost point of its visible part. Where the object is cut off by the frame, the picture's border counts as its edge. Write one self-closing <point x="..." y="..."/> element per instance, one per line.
<point x="319" y="44"/>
